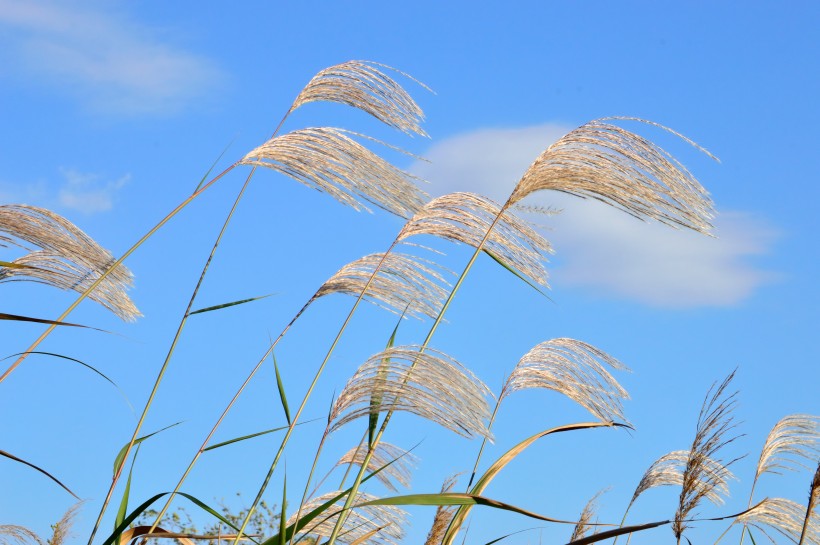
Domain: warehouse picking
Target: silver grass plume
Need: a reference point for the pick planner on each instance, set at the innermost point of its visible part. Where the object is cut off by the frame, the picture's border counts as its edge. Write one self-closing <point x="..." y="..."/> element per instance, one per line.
<point x="668" y="470"/>
<point x="466" y="218"/>
<point x="428" y="384"/>
<point x="13" y="533"/>
<point x="444" y="514"/>
<point x="602" y="161"/>
<point x="793" y="438"/>
<point x="589" y="512"/>
<point x="714" y="431"/>
<point x="784" y="516"/>
<point x="362" y="85"/>
<point x="575" y="369"/>
<point x="402" y="283"/>
<point x="327" y="159"/>
<point x="68" y="258"/>
<point x="389" y="520"/>
<point x="399" y="470"/>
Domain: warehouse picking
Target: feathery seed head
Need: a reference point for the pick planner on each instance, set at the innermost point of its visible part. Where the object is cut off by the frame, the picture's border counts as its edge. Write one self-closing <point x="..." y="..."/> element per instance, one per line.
<point x="327" y="159"/>
<point x="444" y="514"/>
<point x="794" y="439"/>
<point x="575" y="369"/>
<point x="389" y="520"/>
<point x="402" y="283"/>
<point x="714" y="431"/>
<point x="399" y="459"/>
<point x="466" y="218"/>
<point x="668" y="470"/>
<point x="428" y="384"/>
<point x="68" y="259"/>
<point x="602" y="161"/>
<point x="362" y="85"/>
<point x="784" y="516"/>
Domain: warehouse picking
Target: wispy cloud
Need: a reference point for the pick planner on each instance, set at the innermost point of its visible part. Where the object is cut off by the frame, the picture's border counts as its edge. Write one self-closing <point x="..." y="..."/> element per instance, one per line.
<point x="113" y="64"/>
<point x="83" y="192"/>
<point x="89" y="193"/>
<point x="603" y="249"/>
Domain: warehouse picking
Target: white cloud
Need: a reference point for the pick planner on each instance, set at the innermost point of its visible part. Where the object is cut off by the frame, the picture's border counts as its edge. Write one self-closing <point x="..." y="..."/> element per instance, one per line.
<point x="84" y="192"/>
<point x="114" y="64"/>
<point x="87" y="193"/>
<point x="599" y="247"/>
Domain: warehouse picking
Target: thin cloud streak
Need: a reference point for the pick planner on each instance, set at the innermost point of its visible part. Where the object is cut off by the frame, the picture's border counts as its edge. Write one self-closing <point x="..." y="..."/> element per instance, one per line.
<point x="599" y="248"/>
<point x="112" y="64"/>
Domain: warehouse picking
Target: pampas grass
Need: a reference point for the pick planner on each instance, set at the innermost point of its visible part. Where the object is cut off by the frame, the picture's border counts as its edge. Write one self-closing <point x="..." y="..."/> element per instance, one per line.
<point x="599" y="160"/>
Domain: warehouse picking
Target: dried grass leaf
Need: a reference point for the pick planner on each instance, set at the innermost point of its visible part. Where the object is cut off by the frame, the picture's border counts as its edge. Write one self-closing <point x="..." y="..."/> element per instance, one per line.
<point x="466" y="218"/>
<point x="784" y="516"/>
<point x="403" y="283"/>
<point x="69" y="258"/>
<point x="388" y="519"/>
<point x="399" y="471"/>
<point x="428" y="384"/>
<point x="575" y="369"/>
<point x="714" y="431"/>
<point x="327" y="159"/>
<point x="602" y="161"/>
<point x="794" y="439"/>
<point x="363" y="85"/>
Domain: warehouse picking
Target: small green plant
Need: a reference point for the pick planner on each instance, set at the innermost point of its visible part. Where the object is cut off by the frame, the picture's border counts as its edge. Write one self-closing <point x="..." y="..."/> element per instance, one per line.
<point x="599" y="160"/>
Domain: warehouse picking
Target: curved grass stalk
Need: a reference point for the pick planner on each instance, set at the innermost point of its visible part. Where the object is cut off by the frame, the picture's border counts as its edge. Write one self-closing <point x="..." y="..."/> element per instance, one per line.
<point x="112" y="268"/>
<point x="422" y="348"/>
<point x="167" y="361"/>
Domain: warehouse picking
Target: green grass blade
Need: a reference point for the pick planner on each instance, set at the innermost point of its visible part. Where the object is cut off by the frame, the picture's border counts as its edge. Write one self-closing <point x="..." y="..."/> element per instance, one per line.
<point x="751" y="536"/>
<point x="231" y="304"/>
<point x="459" y="498"/>
<point x="376" y="399"/>
<point x="516" y="273"/>
<point x="126" y="522"/>
<point x="309" y="517"/>
<point x="502" y="462"/>
<point x="281" y="386"/>
<point x="37" y="468"/>
<point x="87" y="366"/>
<point x="257" y="434"/>
<point x="18" y="318"/>
<point x="283" y="517"/>
<point x="123" y="510"/>
<point x="213" y="166"/>
<point x="120" y="459"/>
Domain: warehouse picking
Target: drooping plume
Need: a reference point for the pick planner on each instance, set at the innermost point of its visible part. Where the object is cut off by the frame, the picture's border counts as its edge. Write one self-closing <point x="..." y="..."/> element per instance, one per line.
<point x="575" y="369"/>
<point x="384" y="523"/>
<point x="67" y="259"/>
<point x="466" y="218"/>
<point x="362" y="85"/>
<point x="603" y="161"/>
<point x="327" y="159"/>
<point x="402" y="283"/>
<point x="784" y="516"/>
<point x="398" y="472"/>
<point x="428" y="384"/>
<point x="668" y="470"/>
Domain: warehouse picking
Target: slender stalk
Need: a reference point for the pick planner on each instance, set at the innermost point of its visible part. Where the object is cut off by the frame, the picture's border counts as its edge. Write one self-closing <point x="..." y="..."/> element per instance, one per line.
<point x="350" y="498"/>
<point x="108" y="271"/>
<point x="310" y="389"/>
<point x="310" y="476"/>
<point x="168" y="357"/>
<point x="483" y="444"/>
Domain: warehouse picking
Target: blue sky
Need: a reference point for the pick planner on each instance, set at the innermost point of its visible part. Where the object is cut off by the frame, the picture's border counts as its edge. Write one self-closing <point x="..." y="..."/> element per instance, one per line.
<point x="113" y="111"/>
